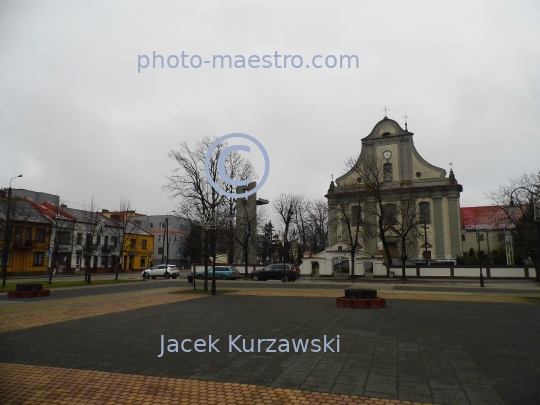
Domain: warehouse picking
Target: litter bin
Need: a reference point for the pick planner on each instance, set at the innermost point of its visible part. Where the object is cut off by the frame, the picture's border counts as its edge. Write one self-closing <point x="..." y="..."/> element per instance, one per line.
<point x="190" y="279"/>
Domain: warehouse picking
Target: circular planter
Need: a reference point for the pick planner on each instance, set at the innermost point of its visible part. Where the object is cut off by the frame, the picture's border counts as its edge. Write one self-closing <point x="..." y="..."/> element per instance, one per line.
<point x="361" y="303"/>
<point x="28" y="294"/>
<point x="348" y="303"/>
<point x="375" y="303"/>
<point x="42" y="293"/>
<point x="14" y="294"/>
<point x="339" y="301"/>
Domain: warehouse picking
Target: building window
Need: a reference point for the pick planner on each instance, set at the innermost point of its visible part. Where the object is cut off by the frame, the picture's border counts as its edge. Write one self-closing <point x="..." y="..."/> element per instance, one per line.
<point x="38" y="259"/>
<point x="356" y="215"/>
<point x="79" y="239"/>
<point x="425" y="212"/>
<point x="389" y="214"/>
<point x="151" y="225"/>
<point x="463" y="238"/>
<point x="133" y="242"/>
<point x="98" y="240"/>
<point x="144" y="244"/>
<point x="62" y="238"/>
<point x="104" y="261"/>
<point x="160" y="251"/>
<point x="114" y="241"/>
<point x="28" y="234"/>
<point x="143" y="262"/>
<point x="162" y="225"/>
<point x="160" y="238"/>
<point x="40" y="235"/>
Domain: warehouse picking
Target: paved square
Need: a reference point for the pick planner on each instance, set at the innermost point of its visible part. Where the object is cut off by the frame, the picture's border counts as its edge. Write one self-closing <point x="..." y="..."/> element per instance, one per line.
<point x="424" y="351"/>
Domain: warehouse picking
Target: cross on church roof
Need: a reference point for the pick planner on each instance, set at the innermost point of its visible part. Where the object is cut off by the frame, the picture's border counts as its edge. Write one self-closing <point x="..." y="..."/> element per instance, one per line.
<point x="385" y="109"/>
<point x="405" y="122"/>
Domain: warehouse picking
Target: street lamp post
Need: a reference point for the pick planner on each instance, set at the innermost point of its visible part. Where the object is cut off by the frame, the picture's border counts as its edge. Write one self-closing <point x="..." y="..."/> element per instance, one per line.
<point x="214" y="255"/>
<point x="478" y="240"/>
<point x="535" y="199"/>
<point x="7" y="233"/>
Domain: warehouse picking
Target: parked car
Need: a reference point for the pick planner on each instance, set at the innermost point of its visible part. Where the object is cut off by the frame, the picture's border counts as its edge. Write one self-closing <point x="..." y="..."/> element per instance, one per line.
<point x="277" y="271"/>
<point x="161" y="270"/>
<point x="222" y="272"/>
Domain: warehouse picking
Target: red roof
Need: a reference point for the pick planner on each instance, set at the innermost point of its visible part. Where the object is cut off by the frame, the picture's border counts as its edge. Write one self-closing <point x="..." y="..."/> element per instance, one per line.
<point x="51" y="210"/>
<point x="487" y="217"/>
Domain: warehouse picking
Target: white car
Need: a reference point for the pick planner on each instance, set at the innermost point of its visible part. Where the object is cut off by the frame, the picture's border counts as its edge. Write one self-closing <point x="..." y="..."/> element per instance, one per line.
<point x="162" y="270"/>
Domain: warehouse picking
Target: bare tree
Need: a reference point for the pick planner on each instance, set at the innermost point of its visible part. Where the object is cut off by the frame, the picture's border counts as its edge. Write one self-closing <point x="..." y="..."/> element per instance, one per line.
<point x="318" y="223"/>
<point x="348" y="217"/>
<point x="121" y="233"/>
<point x="197" y="200"/>
<point x="369" y="172"/>
<point x="402" y="220"/>
<point x="63" y="226"/>
<point x="286" y="206"/>
<point x="517" y="201"/>
<point x="90" y="226"/>
<point x="301" y="220"/>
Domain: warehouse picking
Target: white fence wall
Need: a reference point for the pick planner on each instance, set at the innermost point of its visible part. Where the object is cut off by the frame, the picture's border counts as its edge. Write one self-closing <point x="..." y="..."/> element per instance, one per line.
<point x="473" y="272"/>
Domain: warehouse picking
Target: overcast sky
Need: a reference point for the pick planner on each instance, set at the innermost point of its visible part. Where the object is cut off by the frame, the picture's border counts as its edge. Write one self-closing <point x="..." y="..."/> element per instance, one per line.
<point x="77" y="118"/>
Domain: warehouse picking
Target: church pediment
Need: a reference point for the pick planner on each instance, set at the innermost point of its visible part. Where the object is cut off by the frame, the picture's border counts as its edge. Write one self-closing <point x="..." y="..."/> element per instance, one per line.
<point x="386" y="128"/>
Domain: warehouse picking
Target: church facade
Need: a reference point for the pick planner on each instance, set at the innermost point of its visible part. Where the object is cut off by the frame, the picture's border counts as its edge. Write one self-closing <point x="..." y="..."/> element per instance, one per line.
<point x="427" y="185"/>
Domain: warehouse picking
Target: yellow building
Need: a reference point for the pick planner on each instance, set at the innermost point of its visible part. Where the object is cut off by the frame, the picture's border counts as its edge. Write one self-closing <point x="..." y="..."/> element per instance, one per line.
<point x="138" y="248"/>
<point x="30" y="237"/>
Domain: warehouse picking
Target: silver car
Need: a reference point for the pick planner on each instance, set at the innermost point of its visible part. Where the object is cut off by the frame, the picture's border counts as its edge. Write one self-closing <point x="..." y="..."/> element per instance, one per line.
<point x="161" y="270"/>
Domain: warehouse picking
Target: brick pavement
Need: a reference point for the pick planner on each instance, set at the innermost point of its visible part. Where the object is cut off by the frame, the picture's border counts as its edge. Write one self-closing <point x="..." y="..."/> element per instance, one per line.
<point x="70" y="386"/>
<point x="37" y="385"/>
<point x="27" y="314"/>
<point x="37" y="312"/>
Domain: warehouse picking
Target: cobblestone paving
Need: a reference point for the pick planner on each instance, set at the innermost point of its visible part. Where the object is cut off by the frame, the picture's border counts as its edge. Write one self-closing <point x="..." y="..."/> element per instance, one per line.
<point x="49" y="385"/>
<point x="25" y="314"/>
<point x="22" y="315"/>
<point x="390" y="294"/>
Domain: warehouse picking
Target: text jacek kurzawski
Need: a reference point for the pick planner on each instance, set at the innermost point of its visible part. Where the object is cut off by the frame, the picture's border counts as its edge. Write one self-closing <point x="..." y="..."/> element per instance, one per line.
<point x="237" y="344"/>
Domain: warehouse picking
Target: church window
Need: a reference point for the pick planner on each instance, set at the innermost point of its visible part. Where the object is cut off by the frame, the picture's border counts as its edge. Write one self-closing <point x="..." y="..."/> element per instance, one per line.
<point x="356" y="215"/>
<point x="425" y="212"/>
<point x="387" y="172"/>
<point x="418" y="175"/>
<point x="389" y="214"/>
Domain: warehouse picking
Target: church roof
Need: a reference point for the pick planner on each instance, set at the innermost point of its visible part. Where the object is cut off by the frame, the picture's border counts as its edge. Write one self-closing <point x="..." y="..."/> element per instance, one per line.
<point x="486" y="217"/>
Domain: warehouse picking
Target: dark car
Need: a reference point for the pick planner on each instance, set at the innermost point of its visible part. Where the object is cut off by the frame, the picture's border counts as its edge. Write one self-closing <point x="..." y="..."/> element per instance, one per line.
<point x="277" y="271"/>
